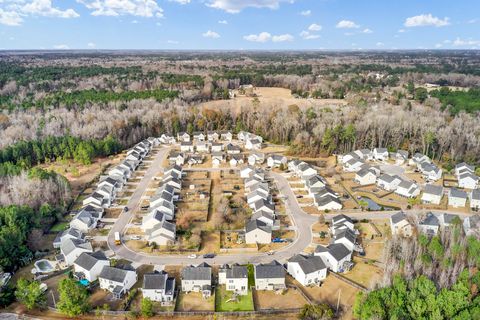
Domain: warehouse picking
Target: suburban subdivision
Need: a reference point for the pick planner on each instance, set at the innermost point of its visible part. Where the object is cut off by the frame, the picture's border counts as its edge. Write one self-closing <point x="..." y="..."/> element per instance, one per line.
<point x="316" y="186"/>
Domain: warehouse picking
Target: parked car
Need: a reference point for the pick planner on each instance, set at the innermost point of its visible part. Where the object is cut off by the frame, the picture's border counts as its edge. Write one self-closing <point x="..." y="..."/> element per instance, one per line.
<point x="135" y="237"/>
<point x="192" y="256"/>
<point x="125" y="209"/>
<point x="209" y="256"/>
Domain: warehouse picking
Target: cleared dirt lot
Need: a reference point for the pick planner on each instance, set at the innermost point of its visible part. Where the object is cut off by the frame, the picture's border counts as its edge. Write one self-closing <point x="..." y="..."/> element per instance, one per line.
<point x="194" y="301"/>
<point x="286" y="299"/>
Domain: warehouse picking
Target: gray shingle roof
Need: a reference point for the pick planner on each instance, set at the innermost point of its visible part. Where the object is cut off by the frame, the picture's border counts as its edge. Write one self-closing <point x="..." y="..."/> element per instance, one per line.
<point x="87" y="260"/>
<point x="397" y="217"/>
<point x="257" y="224"/>
<point x="113" y="274"/>
<point x="456" y="193"/>
<point x="338" y="251"/>
<point x="308" y="264"/>
<point x="347" y="234"/>
<point x="200" y="272"/>
<point x="71" y="244"/>
<point x="236" y="272"/>
<point x="430" y="220"/>
<point x="155" y="281"/>
<point x="433" y="189"/>
<point x="475" y="195"/>
<point x="272" y="270"/>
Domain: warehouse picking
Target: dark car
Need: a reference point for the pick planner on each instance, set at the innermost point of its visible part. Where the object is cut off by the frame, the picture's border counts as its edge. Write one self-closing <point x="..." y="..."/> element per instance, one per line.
<point x="125" y="209"/>
<point x="209" y="255"/>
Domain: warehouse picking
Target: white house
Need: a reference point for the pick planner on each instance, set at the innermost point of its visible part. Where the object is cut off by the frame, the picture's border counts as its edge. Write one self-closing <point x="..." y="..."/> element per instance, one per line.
<point x="246" y="172"/>
<point x="380" y="154"/>
<point x="400" y="225"/>
<point x="388" y="182"/>
<point x="183" y="136"/>
<point x="236" y="159"/>
<point x="276" y="160"/>
<point x="407" y="189"/>
<point x="212" y="136"/>
<point x="166" y="139"/>
<point x="217" y="147"/>
<point x="327" y="202"/>
<point x="117" y="280"/>
<point x="430" y="224"/>
<point x="305" y="170"/>
<point x="471" y="225"/>
<point x="153" y="219"/>
<point x="86" y="219"/>
<point x="197" y="279"/>
<point x="401" y="157"/>
<point x="203" y="147"/>
<point x="235" y="278"/>
<point x="353" y="165"/>
<point x="257" y="231"/>
<point x="334" y="256"/>
<point x="162" y="234"/>
<point x="467" y="180"/>
<point x="447" y="219"/>
<point x="96" y="200"/>
<point x="430" y="171"/>
<point x="365" y="177"/>
<point x="226" y="136"/>
<point x="71" y="249"/>
<point x="364" y="154"/>
<point x="341" y="222"/>
<point x="346" y="237"/>
<point x="199" y="136"/>
<point x="256" y="158"/>
<point x="266" y="217"/>
<point x="463" y="168"/>
<point x="165" y="207"/>
<point x="432" y="194"/>
<point x="457" y="198"/>
<point x="253" y="144"/>
<point x="158" y="287"/>
<point x="269" y="276"/>
<point x="418" y="158"/>
<point x="187" y="147"/>
<point x="88" y="265"/>
<point x="233" y="149"/>
<point x="475" y="199"/>
<point x="263" y="205"/>
<point x="308" y="270"/>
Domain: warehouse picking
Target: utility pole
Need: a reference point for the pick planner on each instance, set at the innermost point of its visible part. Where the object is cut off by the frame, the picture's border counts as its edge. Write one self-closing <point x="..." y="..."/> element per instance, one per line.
<point x="53" y="297"/>
<point x="338" y="301"/>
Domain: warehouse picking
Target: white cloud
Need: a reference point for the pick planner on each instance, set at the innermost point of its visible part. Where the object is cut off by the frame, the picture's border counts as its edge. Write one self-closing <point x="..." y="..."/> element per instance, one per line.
<point x="223" y="21"/>
<point x="306" y="13"/>
<point x="91" y="45"/>
<point x="10" y="18"/>
<point x="261" y="37"/>
<point x="366" y="30"/>
<point x="172" y="42"/>
<point x="211" y="34"/>
<point x="438" y="45"/>
<point x="180" y="1"/>
<point x="379" y="44"/>
<point x="465" y="42"/>
<point x="401" y="30"/>
<point x="347" y="24"/>
<point x="140" y="8"/>
<point x="315" y="27"/>
<point x="473" y="21"/>
<point x="44" y="8"/>
<point x="308" y="36"/>
<point x="282" y="38"/>
<point x="61" y="47"/>
<point x="235" y="6"/>
<point x="426" y="20"/>
<point x="134" y="21"/>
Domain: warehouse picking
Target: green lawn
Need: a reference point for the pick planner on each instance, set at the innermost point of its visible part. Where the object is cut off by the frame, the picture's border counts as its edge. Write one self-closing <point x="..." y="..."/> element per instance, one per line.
<point x="60" y="226"/>
<point x="244" y="303"/>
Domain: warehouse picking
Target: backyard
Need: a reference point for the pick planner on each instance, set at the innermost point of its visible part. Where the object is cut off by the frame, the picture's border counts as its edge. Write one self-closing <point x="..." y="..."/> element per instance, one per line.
<point x="224" y="302"/>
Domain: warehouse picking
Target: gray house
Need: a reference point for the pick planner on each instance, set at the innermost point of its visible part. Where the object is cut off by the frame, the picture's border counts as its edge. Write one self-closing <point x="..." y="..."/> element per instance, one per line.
<point x="269" y="276"/>
<point x="197" y="279"/>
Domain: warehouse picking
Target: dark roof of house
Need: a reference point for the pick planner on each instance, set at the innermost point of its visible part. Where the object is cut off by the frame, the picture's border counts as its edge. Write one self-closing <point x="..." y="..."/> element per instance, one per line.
<point x="257" y="224"/>
<point x="430" y="220"/>
<point x="475" y="195"/>
<point x="326" y="199"/>
<point x="347" y="234"/>
<point x="448" y="218"/>
<point x="308" y="264"/>
<point x="87" y="260"/>
<point x="340" y="218"/>
<point x="397" y="217"/>
<point x="201" y="272"/>
<point x="272" y="270"/>
<point x="457" y="193"/>
<point x="338" y="250"/>
<point x="155" y="281"/>
<point x="113" y="273"/>
<point x="71" y="244"/>
<point x="236" y="272"/>
<point x="433" y="189"/>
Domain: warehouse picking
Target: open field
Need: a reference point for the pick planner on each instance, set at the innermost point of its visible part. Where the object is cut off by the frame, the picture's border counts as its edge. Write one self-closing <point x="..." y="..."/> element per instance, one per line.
<point x="194" y="301"/>
<point x="286" y="299"/>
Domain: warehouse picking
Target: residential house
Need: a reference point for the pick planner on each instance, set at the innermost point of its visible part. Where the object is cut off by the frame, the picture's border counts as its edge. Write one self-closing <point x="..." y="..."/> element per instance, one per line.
<point x="183" y="136"/>
<point x="464" y="168"/>
<point x="177" y="158"/>
<point x="96" y="200"/>
<point x="430" y="224"/>
<point x="276" y="161"/>
<point x="471" y="225"/>
<point x="457" y="198"/>
<point x="256" y="158"/>
<point x="347" y="237"/>
<point x="388" y="182"/>
<point x="70" y="233"/>
<point x="195" y="159"/>
<point x="153" y="219"/>
<point x="447" y="219"/>
<point x="364" y="154"/>
<point x="217" y="147"/>
<point x="475" y="199"/>
<point x="199" y="136"/>
<point x="71" y="249"/>
<point x="166" y="139"/>
<point x="158" y="287"/>
<point x="236" y="159"/>
<point x="419" y="158"/>
<point x="203" y="147"/>
<point x="235" y="278"/>
<point x="253" y="144"/>
<point x="430" y="171"/>
<point x="89" y="265"/>
<point x="197" y="279"/>
<point x="264" y="216"/>
<point x="212" y="136"/>
<point x="467" y="180"/>
<point x="165" y="207"/>
<point x="257" y="231"/>
<point x="307" y="270"/>
<point x="233" y="149"/>
<point x="353" y="165"/>
<point x="365" y="177"/>
<point x="432" y="194"/>
<point x="341" y="222"/>
<point x="401" y="157"/>
<point x="86" y="219"/>
<point x="263" y="205"/>
<point x="380" y="154"/>
<point x="226" y="136"/>
<point x="117" y="280"/>
<point x="327" y="202"/>
<point x="269" y="276"/>
<point x="162" y="234"/>
<point x="407" y="189"/>
<point x="400" y="225"/>
<point x="187" y="146"/>
<point x="334" y="256"/>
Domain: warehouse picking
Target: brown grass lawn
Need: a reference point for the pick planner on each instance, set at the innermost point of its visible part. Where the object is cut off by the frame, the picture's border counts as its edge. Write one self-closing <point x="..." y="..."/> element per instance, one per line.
<point x="194" y="301"/>
<point x="287" y="299"/>
<point x="112" y="212"/>
<point x="365" y="274"/>
<point x="210" y="242"/>
<point x="100" y="297"/>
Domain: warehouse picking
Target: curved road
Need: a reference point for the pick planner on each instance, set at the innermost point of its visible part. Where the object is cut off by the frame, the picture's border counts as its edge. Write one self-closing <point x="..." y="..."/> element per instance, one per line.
<point x="301" y="221"/>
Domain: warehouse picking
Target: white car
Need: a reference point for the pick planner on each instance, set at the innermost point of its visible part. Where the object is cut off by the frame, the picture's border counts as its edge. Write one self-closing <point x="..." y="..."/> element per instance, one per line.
<point x="192" y="256"/>
<point x="135" y="237"/>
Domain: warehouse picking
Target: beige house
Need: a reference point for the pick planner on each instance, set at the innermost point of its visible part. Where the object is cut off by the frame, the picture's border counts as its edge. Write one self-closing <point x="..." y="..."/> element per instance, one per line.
<point x="400" y="225"/>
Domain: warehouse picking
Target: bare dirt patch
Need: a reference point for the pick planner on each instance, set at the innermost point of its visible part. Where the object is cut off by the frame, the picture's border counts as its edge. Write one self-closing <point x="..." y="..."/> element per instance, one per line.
<point x="287" y="299"/>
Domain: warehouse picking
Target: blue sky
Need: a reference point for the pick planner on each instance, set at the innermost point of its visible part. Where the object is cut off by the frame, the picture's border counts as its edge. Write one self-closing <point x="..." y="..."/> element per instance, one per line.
<point x="239" y="24"/>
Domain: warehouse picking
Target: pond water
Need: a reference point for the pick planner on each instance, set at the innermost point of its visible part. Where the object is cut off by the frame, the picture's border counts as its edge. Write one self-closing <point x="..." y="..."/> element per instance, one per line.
<point x="44" y="266"/>
<point x="373" y="206"/>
